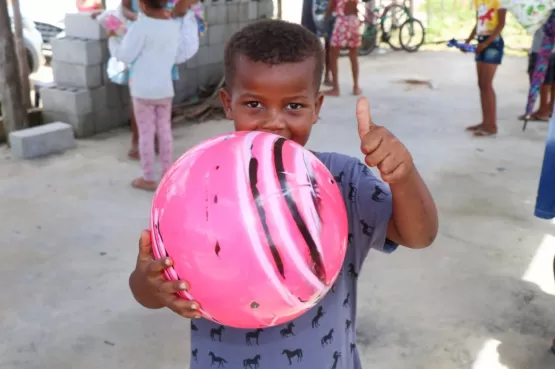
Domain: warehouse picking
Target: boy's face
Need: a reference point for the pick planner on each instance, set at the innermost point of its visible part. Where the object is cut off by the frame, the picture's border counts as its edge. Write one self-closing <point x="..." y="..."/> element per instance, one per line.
<point x="279" y="99"/>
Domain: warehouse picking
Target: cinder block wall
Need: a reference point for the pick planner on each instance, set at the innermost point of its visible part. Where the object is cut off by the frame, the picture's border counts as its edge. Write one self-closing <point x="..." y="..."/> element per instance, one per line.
<point x="83" y="96"/>
<point x="224" y="18"/>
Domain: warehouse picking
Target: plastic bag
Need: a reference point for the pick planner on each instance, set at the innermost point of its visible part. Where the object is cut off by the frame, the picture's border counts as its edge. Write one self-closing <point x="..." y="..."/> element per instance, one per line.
<point x="189" y="38"/>
<point x="531" y="14"/>
<point x="117" y="71"/>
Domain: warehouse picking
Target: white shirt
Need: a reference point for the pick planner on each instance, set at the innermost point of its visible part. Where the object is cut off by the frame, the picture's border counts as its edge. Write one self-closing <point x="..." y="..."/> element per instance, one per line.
<point x="150" y="47"/>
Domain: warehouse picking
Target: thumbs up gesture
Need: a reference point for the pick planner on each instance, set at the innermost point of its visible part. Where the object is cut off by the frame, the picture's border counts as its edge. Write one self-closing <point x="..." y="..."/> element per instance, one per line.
<point x="381" y="148"/>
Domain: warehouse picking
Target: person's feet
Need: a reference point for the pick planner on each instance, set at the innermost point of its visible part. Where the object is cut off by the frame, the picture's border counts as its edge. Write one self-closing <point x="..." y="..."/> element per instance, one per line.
<point x="475" y="128"/>
<point x="332" y="92"/>
<point x="357" y="91"/>
<point x="142" y="184"/>
<point x="485" y="131"/>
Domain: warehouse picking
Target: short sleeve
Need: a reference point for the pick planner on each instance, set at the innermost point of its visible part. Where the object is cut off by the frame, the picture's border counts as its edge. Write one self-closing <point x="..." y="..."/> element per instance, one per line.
<point x="368" y="202"/>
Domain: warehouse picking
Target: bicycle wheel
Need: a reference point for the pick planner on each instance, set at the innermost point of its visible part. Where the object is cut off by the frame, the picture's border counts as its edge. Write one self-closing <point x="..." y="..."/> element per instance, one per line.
<point x="369" y="40"/>
<point x="415" y="34"/>
<point x="390" y="23"/>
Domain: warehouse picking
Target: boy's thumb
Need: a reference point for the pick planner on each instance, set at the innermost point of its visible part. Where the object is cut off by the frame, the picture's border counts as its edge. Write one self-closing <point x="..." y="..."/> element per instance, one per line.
<point x="364" y="118"/>
<point x="145" y="246"/>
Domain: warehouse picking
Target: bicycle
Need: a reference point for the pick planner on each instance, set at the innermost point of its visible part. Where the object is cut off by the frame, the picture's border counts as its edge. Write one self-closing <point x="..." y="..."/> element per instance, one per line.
<point x="401" y="20"/>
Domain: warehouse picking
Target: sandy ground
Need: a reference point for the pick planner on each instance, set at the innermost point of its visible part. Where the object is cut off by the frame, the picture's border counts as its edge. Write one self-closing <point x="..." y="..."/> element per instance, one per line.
<point x="479" y="298"/>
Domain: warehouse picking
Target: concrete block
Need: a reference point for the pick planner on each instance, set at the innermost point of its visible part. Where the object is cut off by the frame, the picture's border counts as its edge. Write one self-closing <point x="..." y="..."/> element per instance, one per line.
<point x="216" y="53"/>
<point x="253" y="10"/>
<point x="232" y="28"/>
<point x="233" y="15"/>
<point x="83" y="124"/>
<point x="203" y="55"/>
<point x="113" y="95"/>
<point x="81" y="25"/>
<point x="186" y="86"/>
<point x="215" y="73"/>
<point x="124" y="95"/>
<point x="67" y="99"/>
<point x="216" y="14"/>
<point x="77" y="75"/>
<point x="243" y="12"/>
<point x="106" y="120"/>
<point x="193" y="62"/>
<point x="77" y="50"/>
<point x="217" y="34"/>
<point x="42" y="140"/>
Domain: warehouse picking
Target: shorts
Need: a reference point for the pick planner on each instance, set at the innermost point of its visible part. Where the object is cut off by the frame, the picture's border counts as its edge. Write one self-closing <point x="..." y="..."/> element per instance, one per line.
<point x="346" y="32"/>
<point x="493" y="54"/>
<point x="550" y="75"/>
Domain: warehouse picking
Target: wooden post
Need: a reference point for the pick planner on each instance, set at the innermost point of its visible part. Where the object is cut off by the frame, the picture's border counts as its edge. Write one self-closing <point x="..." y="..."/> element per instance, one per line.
<point x="13" y="111"/>
<point x="21" y="53"/>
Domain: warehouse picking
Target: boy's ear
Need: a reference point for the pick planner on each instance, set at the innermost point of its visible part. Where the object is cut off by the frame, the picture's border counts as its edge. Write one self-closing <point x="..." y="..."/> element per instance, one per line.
<point x="225" y="97"/>
<point x="317" y="107"/>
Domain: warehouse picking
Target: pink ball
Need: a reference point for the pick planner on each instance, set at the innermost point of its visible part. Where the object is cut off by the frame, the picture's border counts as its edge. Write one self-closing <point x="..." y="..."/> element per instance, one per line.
<point x="255" y="223"/>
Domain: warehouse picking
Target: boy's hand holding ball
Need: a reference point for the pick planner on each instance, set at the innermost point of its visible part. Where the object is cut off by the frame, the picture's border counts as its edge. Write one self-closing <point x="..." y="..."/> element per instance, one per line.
<point x="151" y="288"/>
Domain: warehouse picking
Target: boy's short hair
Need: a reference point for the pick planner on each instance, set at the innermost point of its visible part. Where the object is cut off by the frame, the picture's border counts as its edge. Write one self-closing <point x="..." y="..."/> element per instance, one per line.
<point x="274" y="42"/>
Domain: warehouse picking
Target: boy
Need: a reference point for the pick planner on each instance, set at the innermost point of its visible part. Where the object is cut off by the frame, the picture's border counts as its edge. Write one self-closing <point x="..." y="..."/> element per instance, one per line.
<point x="345" y="35"/>
<point x="490" y="20"/>
<point x="273" y="72"/>
<point x="547" y="90"/>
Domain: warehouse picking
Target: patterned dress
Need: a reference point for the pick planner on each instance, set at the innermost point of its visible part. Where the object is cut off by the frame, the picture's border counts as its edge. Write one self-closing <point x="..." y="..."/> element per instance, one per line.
<point x="346" y="30"/>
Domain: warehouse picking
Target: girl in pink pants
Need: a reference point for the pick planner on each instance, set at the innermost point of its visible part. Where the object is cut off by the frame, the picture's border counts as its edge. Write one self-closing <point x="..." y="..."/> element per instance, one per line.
<point x="150" y="47"/>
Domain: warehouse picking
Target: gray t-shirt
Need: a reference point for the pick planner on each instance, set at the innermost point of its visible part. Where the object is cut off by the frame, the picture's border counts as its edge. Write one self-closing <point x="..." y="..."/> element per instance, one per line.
<point x="324" y="337"/>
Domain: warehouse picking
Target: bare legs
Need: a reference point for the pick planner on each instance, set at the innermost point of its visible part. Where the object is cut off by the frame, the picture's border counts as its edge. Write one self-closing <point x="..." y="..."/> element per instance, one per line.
<point x="488" y="127"/>
<point x="334" y="59"/>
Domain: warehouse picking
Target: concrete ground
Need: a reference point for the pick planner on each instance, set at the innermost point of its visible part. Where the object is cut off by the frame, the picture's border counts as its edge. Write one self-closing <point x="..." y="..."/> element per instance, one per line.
<point x="482" y="297"/>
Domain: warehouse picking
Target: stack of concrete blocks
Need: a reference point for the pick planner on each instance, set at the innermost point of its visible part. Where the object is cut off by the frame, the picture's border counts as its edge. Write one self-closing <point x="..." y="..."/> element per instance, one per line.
<point x="224" y="18"/>
<point x="82" y="94"/>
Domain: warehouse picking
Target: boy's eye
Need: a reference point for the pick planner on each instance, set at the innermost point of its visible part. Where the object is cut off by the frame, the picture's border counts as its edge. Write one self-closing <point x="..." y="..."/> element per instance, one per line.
<point x="294" y="106"/>
<point x="253" y="104"/>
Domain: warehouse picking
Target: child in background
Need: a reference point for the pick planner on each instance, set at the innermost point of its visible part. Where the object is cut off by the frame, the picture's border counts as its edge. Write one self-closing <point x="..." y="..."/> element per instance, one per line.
<point x="490" y="21"/>
<point x="547" y="91"/>
<point x="345" y="35"/>
<point x="151" y="46"/>
<point x="130" y="10"/>
<point x="272" y="86"/>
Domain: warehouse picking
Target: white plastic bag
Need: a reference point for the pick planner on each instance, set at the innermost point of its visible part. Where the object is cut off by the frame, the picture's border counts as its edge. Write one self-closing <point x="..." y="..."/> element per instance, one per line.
<point x="189" y="38"/>
<point x="117" y="71"/>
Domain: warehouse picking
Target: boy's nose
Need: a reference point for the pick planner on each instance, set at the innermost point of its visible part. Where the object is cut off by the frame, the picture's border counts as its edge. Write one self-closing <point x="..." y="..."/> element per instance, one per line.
<point x="274" y="124"/>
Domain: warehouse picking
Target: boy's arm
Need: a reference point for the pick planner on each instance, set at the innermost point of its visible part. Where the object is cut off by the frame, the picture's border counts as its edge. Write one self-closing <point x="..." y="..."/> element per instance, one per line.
<point x="126" y="10"/>
<point x="414" y="220"/>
